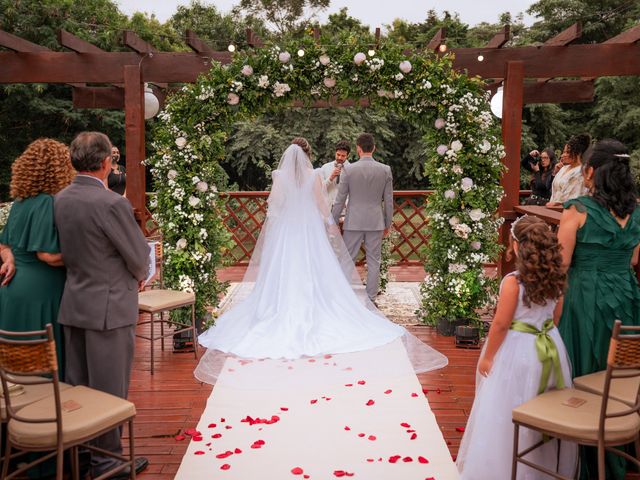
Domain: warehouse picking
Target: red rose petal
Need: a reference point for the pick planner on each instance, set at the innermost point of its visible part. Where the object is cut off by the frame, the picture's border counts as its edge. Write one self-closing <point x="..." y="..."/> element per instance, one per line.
<point x="410" y="431"/>
<point x="228" y="427"/>
<point x="347" y="428"/>
<point x="425" y="390"/>
<point x="430" y="478"/>
<point x="192" y="432"/>
<point x="211" y="425"/>
<point x="361" y="435"/>
<point x="328" y="356"/>
<point x="179" y="437"/>
<point x="372" y="437"/>
<point x="422" y="460"/>
<point x="414" y="394"/>
<point x="387" y="392"/>
<point x="405" y="425"/>
<point x="394" y="458"/>
<point x="207" y="444"/>
<point x="348" y="384"/>
<point x="297" y="471"/>
<point x="454" y="457"/>
<point x="370" y="402"/>
<point x="311" y="360"/>
<point x="314" y="401"/>
<point x="222" y="420"/>
<point x="370" y="460"/>
<point x="407" y="459"/>
<point x="414" y="436"/>
<point x="339" y="473"/>
<point x="226" y="466"/>
<point x="196" y="439"/>
<point x="459" y="429"/>
<point x="348" y="369"/>
<point x="361" y="382"/>
<point x="284" y="409"/>
<point x="306" y="476"/>
<point x="226" y="454"/>
<point x="216" y="435"/>
<point x="237" y="450"/>
<point x="198" y="452"/>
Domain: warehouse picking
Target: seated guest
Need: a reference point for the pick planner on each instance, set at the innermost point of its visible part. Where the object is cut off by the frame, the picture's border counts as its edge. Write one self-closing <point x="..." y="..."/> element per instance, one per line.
<point x="541" y="165"/>
<point x="568" y="182"/>
<point x="600" y="238"/>
<point x="32" y="298"/>
<point x="117" y="180"/>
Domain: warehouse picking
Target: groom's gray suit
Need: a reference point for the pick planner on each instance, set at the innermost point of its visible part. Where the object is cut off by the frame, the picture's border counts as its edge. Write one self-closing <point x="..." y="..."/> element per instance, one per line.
<point x="369" y="187"/>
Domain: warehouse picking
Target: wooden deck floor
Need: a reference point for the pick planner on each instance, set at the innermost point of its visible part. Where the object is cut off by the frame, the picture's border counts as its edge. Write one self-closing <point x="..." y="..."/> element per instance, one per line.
<point x="172" y="400"/>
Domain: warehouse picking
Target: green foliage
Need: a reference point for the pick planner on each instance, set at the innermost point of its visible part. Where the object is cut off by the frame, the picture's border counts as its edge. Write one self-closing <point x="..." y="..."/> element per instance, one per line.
<point x="199" y="120"/>
<point x="285" y="16"/>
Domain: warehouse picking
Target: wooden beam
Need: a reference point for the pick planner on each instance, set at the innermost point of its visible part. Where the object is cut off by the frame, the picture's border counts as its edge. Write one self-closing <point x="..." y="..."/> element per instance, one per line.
<point x="511" y="137"/>
<point x="378" y="32"/>
<point x="566" y="91"/>
<point x="628" y="36"/>
<point x="198" y="45"/>
<point x="616" y="59"/>
<point x="500" y="38"/>
<point x="565" y="37"/>
<point x="316" y="34"/>
<point x="17" y="44"/>
<point x="135" y="43"/>
<point x="76" y="44"/>
<point x="437" y="40"/>
<point x="134" y="139"/>
<point x="254" y="40"/>
<point x="98" y="97"/>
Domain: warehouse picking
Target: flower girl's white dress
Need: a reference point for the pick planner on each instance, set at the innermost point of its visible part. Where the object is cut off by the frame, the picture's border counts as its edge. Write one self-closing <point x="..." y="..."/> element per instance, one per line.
<point x="487" y="446"/>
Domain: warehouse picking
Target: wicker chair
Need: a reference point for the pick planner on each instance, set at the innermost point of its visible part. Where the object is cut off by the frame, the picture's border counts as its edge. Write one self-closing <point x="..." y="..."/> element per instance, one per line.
<point x="588" y="418"/>
<point x="156" y="302"/>
<point x="65" y="419"/>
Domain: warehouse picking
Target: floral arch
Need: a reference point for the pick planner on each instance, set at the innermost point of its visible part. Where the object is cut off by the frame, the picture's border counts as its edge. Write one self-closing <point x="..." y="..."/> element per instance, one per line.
<point x="463" y="161"/>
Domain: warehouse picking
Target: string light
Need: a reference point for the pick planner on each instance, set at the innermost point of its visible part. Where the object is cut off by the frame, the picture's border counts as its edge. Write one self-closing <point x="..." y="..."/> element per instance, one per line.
<point x="443" y="48"/>
<point x="301" y="53"/>
<point x="480" y="58"/>
<point x="231" y="47"/>
<point x="371" y="52"/>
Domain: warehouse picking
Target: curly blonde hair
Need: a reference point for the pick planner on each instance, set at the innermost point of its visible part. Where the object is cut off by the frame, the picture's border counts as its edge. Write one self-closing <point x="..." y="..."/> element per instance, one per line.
<point x="44" y="167"/>
<point x="538" y="262"/>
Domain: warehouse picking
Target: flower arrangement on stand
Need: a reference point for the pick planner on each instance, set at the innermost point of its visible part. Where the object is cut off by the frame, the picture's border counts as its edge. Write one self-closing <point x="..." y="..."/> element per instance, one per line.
<point x="464" y="164"/>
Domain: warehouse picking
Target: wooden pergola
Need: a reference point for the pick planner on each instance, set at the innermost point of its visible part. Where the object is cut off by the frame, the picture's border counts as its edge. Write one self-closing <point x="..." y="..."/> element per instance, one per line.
<point x="527" y="74"/>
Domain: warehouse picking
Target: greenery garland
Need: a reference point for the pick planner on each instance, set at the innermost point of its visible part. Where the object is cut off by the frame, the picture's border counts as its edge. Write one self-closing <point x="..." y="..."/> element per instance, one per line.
<point x="463" y="161"/>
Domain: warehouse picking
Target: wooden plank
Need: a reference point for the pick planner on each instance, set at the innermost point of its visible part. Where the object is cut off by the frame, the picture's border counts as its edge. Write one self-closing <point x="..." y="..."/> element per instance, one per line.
<point x="253" y="40"/>
<point x="568" y="91"/>
<point x="134" y="138"/>
<point x="511" y="138"/>
<point x="628" y="36"/>
<point x="76" y="44"/>
<point x="17" y="44"/>
<point x="547" y="214"/>
<point x="437" y="40"/>
<point x="135" y="43"/>
<point x="500" y="38"/>
<point x="196" y="44"/>
<point x="98" y="97"/>
<point x="567" y="36"/>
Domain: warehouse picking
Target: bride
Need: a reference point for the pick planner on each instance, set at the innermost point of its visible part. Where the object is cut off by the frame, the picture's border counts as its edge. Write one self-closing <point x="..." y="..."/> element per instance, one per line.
<point x="305" y="297"/>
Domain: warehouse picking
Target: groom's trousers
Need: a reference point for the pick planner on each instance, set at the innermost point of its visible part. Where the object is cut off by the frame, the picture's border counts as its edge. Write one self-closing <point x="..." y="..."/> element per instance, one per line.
<point x="372" y="246"/>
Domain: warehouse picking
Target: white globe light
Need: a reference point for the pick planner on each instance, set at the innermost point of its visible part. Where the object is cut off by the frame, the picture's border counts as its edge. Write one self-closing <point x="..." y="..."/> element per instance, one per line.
<point x="231" y="48"/>
<point x="371" y="52"/>
<point x="496" y="103"/>
<point x="151" y="104"/>
<point x="359" y="58"/>
<point x="480" y="58"/>
<point x="443" y="48"/>
<point x="301" y="53"/>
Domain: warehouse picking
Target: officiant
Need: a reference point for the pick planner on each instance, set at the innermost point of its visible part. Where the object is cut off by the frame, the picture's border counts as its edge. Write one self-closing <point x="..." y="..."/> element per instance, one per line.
<point x="332" y="171"/>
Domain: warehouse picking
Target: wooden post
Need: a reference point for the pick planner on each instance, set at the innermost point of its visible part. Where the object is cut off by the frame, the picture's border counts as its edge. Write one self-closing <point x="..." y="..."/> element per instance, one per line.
<point x="134" y="140"/>
<point x="511" y="137"/>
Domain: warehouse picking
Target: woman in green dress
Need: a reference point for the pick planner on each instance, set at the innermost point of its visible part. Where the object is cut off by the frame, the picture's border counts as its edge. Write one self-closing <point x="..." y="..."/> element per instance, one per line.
<point x="32" y="298"/>
<point x="600" y="236"/>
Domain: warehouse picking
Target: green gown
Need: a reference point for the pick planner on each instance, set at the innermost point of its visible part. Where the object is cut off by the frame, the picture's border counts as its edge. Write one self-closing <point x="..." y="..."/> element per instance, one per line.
<point x="32" y="298"/>
<point x="602" y="288"/>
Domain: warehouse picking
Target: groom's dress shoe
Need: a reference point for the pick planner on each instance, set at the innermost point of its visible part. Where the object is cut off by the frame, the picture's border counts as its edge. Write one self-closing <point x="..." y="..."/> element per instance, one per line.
<point x="140" y="464"/>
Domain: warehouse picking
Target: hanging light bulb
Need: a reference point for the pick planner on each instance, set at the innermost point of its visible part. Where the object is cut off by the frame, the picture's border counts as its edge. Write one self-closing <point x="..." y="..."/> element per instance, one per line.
<point x="443" y="47"/>
<point x="371" y="52"/>
<point x="301" y="53"/>
<point x="480" y="58"/>
<point x="151" y="103"/>
<point x="231" y="47"/>
<point x="496" y="103"/>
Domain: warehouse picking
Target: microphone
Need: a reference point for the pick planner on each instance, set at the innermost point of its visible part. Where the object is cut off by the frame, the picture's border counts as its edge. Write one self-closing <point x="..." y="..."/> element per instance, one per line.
<point x="338" y="177"/>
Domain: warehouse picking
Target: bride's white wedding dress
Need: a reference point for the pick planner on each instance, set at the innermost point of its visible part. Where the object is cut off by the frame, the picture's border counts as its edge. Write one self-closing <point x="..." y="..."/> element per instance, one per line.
<point x="306" y="298"/>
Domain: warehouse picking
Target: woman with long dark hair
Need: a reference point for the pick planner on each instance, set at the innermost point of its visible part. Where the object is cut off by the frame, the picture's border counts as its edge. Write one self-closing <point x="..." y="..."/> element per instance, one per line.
<point x="568" y="182"/>
<point x="541" y="165"/>
<point x="600" y="238"/>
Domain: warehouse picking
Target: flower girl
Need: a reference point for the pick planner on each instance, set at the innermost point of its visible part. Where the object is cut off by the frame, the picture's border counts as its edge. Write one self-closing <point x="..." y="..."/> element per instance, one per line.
<point x="510" y="369"/>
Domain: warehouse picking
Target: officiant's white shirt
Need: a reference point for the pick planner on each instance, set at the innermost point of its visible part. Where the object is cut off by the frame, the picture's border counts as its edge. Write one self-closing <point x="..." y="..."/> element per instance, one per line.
<point x="331" y="185"/>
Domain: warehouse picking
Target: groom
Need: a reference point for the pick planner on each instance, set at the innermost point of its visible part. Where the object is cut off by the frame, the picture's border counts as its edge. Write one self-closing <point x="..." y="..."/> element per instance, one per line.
<point x="369" y="186"/>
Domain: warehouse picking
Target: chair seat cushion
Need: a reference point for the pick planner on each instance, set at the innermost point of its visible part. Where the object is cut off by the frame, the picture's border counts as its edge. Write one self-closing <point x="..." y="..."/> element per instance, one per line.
<point x="153" y="301"/>
<point x="622" y="389"/>
<point x="27" y="395"/>
<point x="550" y="413"/>
<point x="85" y="412"/>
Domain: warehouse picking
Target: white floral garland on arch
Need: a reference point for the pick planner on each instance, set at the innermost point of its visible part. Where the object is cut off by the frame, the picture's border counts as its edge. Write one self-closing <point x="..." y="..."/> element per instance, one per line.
<point x="464" y="167"/>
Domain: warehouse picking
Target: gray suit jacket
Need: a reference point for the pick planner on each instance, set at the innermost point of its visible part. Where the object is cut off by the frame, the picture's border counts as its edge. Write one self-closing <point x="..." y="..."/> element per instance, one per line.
<point x="369" y="186"/>
<point x="105" y="254"/>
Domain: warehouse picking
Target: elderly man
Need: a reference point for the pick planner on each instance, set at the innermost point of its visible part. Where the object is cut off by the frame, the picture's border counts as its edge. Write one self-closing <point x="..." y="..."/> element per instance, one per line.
<point x="106" y="257"/>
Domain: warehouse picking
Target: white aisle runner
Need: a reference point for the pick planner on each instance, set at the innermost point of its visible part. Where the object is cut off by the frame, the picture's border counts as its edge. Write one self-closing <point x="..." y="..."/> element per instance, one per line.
<point x="360" y="415"/>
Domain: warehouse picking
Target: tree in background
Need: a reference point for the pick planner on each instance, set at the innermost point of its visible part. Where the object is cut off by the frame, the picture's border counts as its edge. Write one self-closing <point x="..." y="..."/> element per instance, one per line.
<point x="285" y="16"/>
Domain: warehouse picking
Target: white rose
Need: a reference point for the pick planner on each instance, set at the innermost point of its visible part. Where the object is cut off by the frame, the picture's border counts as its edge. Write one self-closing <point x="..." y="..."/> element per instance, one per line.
<point x="453" y="221"/>
<point x="440" y="123"/>
<point x="195" y="179"/>
<point x="485" y="147"/>
<point x="399" y="76"/>
<point x="263" y="81"/>
<point x="202" y="186"/>
<point x="405" y="66"/>
<point x="181" y="244"/>
<point x="466" y="184"/>
<point x="233" y="99"/>
<point x="247" y="70"/>
<point x="457" y="169"/>
<point x="359" y="58"/>
<point x="284" y="57"/>
<point x="181" y="142"/>
<point x="329" y="82"/>
<point x="456" y="145"/>
<point x="476" y="245"/>
<point x="449" y="194"/>
<point x="324" y="59"/>
<point x="476" y="214"/>
<point x="194" y="201"/>
<point x="172" y="174"/>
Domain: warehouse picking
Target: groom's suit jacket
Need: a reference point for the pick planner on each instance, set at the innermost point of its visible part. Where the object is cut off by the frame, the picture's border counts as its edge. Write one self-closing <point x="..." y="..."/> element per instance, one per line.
<point x="369" y="187"/>
<point x="105" y="254"/>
